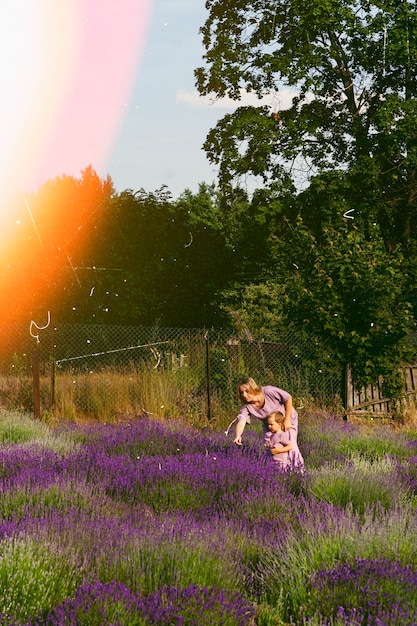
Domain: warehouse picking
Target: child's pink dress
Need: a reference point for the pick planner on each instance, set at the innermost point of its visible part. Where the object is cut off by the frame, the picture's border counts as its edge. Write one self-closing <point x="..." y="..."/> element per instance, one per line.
<point x="288" y="460"/>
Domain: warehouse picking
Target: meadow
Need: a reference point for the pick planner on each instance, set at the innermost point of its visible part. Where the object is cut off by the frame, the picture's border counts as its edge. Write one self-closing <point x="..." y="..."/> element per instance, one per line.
<point x="156" y="522"/>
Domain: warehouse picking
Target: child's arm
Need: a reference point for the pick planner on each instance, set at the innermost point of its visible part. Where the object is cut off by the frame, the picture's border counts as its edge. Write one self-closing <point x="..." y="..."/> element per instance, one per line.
<point x="286" y="448"/>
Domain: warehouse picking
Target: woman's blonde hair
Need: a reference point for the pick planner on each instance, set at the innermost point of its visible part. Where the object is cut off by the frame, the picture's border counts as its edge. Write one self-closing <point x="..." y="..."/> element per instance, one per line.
<point x="248" y="382"/>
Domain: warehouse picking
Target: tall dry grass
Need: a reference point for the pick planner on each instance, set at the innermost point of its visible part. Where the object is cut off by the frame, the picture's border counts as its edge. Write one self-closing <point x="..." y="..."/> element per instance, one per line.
<point x="110" y="395"/>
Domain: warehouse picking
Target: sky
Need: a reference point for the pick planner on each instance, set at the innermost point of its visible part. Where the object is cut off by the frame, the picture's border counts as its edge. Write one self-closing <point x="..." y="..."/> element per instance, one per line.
<point x="106" y="83"/>
<point x="166" y="122"/>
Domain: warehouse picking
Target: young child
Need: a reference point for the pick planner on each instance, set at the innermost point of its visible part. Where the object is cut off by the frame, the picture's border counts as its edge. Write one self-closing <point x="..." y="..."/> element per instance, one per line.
<point x="280" y="445"/>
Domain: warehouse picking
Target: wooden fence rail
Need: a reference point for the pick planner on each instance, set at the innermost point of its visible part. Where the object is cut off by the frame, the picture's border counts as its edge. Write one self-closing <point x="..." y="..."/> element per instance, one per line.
<point x="371" y="400"/>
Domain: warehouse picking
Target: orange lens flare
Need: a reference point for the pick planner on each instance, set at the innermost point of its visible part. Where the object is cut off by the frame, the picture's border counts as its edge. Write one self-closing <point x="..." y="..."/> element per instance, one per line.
<point x="67" y="73"/>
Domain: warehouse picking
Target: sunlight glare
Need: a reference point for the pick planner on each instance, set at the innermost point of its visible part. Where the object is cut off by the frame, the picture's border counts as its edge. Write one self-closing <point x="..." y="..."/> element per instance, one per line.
<point x="33" y="84"/>
<point x="67" y="71"/>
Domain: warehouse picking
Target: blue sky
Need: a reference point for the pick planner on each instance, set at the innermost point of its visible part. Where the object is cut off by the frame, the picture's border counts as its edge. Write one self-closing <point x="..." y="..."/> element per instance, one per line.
<point x="160" y="142"/>
<point x="106" y="83"/>
<point x="166" y="122"/>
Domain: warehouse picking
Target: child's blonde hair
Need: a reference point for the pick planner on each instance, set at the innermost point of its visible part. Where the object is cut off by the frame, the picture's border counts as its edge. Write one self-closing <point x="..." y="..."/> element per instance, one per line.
<point x="277" y="416"/>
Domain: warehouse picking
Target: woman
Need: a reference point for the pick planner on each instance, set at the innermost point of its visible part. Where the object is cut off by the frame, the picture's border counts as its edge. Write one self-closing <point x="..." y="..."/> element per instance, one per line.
<point x="259" y="402"/>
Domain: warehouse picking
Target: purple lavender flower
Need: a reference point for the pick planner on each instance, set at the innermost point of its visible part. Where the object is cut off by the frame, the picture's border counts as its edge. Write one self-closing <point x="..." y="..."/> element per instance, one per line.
<point x="407" y="472"/>
<point x="376" y="591"/>
<point x="131" y="495"/>
<point x="114" y="604"/>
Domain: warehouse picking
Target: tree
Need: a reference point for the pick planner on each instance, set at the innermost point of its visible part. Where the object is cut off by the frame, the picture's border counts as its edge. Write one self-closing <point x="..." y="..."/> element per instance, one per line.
<point x="343" y="291"/>
<point x="259" y="306"/>
<point x="343" y="247"/>
<point x="89" y="255"/>
<point x="351" y="66"/>
<point x="52" y="241"/>
<point x="162" y="261"/>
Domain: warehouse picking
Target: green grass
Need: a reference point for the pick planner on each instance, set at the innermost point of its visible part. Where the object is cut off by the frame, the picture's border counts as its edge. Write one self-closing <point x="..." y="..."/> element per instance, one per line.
<point x="359" y="484"/>
<point x="349" y="505"/>
<point x="286" y="575"/>
<point x="34" y="576"/>
<point x="146" y="568"/>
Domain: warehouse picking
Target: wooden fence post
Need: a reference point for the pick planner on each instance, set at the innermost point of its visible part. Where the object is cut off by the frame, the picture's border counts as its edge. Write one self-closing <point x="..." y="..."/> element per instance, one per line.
<point x="36" y="385"/>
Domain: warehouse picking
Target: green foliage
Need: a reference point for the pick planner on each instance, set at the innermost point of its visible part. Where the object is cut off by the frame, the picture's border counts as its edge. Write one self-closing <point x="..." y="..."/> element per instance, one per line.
<point x="345" y="290"/>
<point x="268" y="616"/>
<point x="350" y="70"/>
<point x="34" y="577"/>
<point x="361" y="488"/>
<point x="162" y="261"/>
<point x="359" y="446"/>
<point x="65" y="496"/>
<point x="335" y="282"/>
<point x="131" y="258"/>
<point x="245" y="141"/>
<point x="259" y="306"/>
<point x="145" y="567"/>
<point x="373" y="447"/>
<point x="19" y="428"/>
<point x="348" y="259"/>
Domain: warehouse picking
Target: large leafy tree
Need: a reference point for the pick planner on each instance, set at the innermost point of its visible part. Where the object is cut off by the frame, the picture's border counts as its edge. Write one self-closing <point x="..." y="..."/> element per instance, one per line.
<point x="340" y="287"/>
<point x="331" y="281"/>
<point x="157" y="261"/>
<point x="352" y="68"/>
<point x="349" y="130"/>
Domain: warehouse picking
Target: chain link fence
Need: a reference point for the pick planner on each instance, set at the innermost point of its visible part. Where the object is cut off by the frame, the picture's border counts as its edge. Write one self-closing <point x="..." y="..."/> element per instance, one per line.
<point x="105" y="371"/>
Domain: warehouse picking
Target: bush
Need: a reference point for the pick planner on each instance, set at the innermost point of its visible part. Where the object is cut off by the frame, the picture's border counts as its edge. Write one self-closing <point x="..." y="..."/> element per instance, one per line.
<point x="114" y="604"/>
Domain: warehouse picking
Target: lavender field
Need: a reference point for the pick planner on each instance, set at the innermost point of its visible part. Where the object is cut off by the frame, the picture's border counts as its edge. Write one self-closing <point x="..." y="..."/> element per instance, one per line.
<point x="152" y="522"/>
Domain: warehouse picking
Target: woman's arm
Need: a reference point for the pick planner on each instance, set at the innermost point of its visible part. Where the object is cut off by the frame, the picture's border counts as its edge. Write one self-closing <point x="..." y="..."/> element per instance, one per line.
<point x="288" y="412"/>
<point x="240" y="427"/>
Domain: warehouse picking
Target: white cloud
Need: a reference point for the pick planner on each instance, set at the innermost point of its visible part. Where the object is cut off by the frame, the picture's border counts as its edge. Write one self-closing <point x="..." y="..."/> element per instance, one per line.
<point x="277" y="100"/>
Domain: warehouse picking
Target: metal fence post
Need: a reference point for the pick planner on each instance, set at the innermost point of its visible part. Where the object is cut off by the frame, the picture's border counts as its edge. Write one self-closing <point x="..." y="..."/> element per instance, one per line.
<point x="208" y="376"/>
<point x="52" y="366"/>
